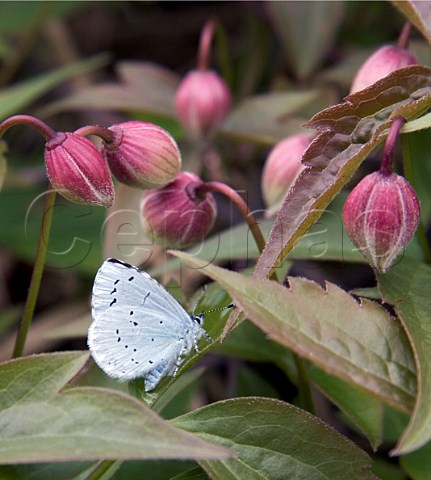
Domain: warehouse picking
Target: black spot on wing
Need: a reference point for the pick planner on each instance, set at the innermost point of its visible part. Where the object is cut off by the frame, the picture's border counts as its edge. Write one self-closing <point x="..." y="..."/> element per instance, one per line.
<point x="113" y="301"/>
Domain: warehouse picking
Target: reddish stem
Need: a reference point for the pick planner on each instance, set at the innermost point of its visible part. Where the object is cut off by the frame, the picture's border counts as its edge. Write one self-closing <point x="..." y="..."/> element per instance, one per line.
<point x="43" y="128"/>
<point x="388" y="153"/>
<point x="104" y="133"/>
<point x="404" y="38"/>
<point x="205" y="45"/>
<point x="219" y="187"/>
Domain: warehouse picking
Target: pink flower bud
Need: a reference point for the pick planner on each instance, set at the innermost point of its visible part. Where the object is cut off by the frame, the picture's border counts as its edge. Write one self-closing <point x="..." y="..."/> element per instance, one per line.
<point x="282" y="167"/>
<point x="381" y="215"/>
<point x="381" y="63"/>
<point x="142" y="155"/>
<point x="202" y="102"/>
<point x="78" y="171"/>
<point x="174" y="215"/>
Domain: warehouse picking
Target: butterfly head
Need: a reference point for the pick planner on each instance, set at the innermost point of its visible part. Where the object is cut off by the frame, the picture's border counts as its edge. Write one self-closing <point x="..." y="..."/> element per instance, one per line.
<point x="199" y="318"/>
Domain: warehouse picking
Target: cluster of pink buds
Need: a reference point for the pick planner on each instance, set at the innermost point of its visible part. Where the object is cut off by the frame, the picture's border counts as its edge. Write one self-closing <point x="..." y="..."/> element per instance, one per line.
<point x="139" y="154"/>
<point x="203" y="99"/>
<point x="382" y="212"/>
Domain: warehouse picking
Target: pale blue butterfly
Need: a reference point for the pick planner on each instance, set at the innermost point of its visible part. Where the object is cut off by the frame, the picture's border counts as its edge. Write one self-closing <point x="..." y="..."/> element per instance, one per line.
<point x="139" y="329"/>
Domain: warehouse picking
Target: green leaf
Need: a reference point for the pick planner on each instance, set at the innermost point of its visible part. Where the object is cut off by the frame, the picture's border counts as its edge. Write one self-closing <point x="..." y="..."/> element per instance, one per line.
<point x="265" y="119"/>
<point x="361" y="408"/>
<point x="348" y="133"/>
<point x="418" y="464"/>
<point x="355" y="341"/>
<point x="75" y="236"/>
<point x="407" y="287"/>
<point x="193" y="474"/>
<point x="40" y="422"/>
<point x="307" y="31"/>
<point x="143" y="87"/>
<point x="14" y="99"/>
<point x="274" y="440"/>
<point x="3" y="162"/>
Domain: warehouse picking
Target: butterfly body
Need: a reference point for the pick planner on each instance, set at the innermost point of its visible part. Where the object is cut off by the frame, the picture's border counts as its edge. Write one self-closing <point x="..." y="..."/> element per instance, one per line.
<point x="138" y="329"/>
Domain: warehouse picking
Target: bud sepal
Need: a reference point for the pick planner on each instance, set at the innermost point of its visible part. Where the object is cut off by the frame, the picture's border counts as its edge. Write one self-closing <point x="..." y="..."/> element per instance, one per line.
<point x="381" y="215"/>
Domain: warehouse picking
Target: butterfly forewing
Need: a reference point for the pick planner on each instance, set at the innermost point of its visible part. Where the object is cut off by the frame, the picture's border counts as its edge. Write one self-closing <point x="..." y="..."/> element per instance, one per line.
<point x="139" y="329"/>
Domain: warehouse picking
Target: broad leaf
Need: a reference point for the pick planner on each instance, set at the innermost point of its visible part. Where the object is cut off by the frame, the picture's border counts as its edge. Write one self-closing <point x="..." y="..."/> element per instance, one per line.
<point x="274" y="440"/>
<point x="348" y="133"/>
<point x="20" y="95"/>
<point x="418" y="464"/>
<point x="39" y="422"/>
<point x="143" y="87"/>
<point x="307" y="31"/>
<point x="362" y="408"/>
<point x="407" y="287"/>
<point x="356" y="341"/>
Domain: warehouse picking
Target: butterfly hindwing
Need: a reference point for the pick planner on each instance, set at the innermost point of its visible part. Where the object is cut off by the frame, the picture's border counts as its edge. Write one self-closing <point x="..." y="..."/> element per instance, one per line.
<point x="139" y="329"/>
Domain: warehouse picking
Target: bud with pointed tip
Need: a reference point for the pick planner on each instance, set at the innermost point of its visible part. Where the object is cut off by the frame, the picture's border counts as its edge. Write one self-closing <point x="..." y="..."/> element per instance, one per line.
<point x="202" y="102"/>
<point x="381" y="63"/>
<point x="381" y="215"/>
<point x="175" y="215"/>
<point x="142" y="155"/>
<point x="282" y="167"/>
<point x="77" y="170"/>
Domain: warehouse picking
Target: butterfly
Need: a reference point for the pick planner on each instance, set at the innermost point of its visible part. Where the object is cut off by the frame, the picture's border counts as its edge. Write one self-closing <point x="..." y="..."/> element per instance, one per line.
<point x="139" y="329"/>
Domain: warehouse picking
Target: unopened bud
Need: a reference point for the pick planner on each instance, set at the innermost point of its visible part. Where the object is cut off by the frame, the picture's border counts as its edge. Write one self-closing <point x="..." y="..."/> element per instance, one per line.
<point x="174" y="215"/>
<point x="381" y="63"/>
<point x="381" y="215"/>
<point x="202" y="102"/>
<point x="282" y="167"/>
<point x="142" y="154"/>
<point x="77" y="170"/>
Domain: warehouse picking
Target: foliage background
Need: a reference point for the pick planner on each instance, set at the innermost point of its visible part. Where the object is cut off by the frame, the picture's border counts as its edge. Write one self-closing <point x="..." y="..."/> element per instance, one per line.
<point x="77" y="63"/>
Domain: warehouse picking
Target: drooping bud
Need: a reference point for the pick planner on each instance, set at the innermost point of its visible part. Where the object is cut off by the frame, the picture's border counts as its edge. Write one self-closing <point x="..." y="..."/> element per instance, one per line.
<point x="176" y="215"/>
<point x="142" y="154"/>
<point x="202" y="102"/>
<point x="77" y="170"/>
<point x="282" y="167"/>
<point x="381" y="63"/>
<point x="381" y="215"/>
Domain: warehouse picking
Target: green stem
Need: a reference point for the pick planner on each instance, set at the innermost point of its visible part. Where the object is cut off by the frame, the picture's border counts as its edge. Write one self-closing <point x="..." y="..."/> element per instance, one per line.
<point x="36" y="278"/>
<point x="304" y="386"/>
<point x="102" y="468"/>
<point x="409" y="174"/>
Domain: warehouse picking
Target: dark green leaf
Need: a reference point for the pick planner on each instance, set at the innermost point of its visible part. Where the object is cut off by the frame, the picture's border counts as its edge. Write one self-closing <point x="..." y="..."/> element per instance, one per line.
<point x="355" y="341"/>
<point x="41" y="423"/>
<point x="407" y="287"/>
<point x="274" y="440"/>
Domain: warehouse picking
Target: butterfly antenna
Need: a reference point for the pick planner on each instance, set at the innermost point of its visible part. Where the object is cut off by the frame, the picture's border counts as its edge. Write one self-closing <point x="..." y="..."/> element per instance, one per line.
<point x="231" y="305"/>
<point x="199" y="299"/>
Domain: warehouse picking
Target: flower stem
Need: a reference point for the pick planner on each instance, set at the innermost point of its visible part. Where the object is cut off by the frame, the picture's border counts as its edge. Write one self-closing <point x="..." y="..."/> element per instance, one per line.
<point x="404" y="38"/>
<point x="43" y="128"/>
<point x="104" y="133"/>
<point x="241" y="205"/>
<point x="391" y="140"/>
<point x="36" y="278"/>
<point x="205" y="45"/>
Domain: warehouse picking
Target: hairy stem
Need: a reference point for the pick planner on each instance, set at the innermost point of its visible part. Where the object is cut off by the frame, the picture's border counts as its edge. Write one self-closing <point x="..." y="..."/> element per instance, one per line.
<point x="241" y="205"/>
<point x="43" y="128"/>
